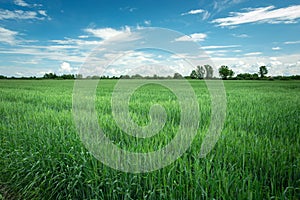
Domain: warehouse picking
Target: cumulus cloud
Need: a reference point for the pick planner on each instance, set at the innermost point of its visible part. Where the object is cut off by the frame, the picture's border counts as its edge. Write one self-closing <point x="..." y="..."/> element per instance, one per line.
<point x="263" y="15"/>
<point x="21" y="3"/>
<point x="43" y="12"/>
<point x="65" y="68"/>
<point x="279" y="65"/>
<point x="107" y="33"/>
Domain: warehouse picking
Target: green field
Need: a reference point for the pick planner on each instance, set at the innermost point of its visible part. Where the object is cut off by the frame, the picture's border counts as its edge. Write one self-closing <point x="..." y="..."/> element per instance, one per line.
<point x="256" y="157"/>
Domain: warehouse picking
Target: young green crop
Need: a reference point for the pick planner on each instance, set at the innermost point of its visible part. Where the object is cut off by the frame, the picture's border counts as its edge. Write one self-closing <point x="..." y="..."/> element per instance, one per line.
<point x="256" y="157"/>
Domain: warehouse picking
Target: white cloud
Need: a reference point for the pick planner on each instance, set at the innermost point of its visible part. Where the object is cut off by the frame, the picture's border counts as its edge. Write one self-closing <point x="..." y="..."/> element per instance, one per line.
<point x="219" y="5"/>
<point x="273" y="63"/>
<point x="21" y="3"/>
<point x="147" y="22"/>
<point x="220" y="47"/>
<point x="263" y="14"/>
<point x="19" y="14"/>
<point x="66" y="68"/>
<point x="129" y="9"/>
<point x="280" y="65"/>
<point x="217" y="52"/>
<point x="205" y="14"/>
<point x="48" y="53"/>
<point x="77" y="42"/>
<point x="24" y="4"/>
<point x="193" y="12"/>
<point x="107" y="33"/>
<point x="24" y="70"/>
<point x="253" y="54"/>
<point x="240" y="35"/>
<point x="83" y="36"/>
<point x="292" y="42"/>
<point x="43" y="12"/>
<point x="7" y="36"/>
<point x="196" y="37"/>
<point x="144" y="63"/>
<point x="276" y="48"/>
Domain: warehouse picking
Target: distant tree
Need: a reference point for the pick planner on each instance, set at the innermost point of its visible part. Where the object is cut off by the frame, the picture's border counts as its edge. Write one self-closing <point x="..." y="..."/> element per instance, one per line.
<point x="177" y="76"/>
<point x="155" y="76"/>
<point x="50" y="76"/>
<point x="247" y="76"/>
<point x="2" y="77"/>
<point x="241" y="76"/>
<point x="262" y="71"/>
<point x="231" y="73"/>
<point x="125" y="77"/>
<point x="193" y="74"/>
<point x="67" y="76"/>
<point x="200" y="72"/>
<point x="209" y="71"/>
<point x="95" y="77"/>
<point x="136" y="76"/>
<point x="255" y="76"/>
<point x="295" y="77"/>
<point x="225" y="72"/>
<point x="78" y="76"/>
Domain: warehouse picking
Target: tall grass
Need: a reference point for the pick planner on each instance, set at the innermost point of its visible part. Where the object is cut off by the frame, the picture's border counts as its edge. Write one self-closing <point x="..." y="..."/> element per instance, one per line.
<point x="257" y="156"/>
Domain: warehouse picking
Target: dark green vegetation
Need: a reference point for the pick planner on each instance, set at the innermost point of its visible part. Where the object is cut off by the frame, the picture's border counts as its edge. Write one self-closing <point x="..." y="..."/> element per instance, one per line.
<point x="257" y="156"/>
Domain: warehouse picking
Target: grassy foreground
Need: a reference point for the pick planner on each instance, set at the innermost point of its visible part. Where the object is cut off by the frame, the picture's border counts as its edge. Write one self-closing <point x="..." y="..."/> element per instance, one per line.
<point x="257" y="156"/>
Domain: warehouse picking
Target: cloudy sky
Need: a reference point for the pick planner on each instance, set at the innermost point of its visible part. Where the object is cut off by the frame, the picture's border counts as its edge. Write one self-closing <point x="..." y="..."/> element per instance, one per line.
<point x="38" y="37"/>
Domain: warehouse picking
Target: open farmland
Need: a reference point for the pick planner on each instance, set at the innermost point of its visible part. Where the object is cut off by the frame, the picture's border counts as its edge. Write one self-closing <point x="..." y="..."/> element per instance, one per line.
<point x="256" y="157"/>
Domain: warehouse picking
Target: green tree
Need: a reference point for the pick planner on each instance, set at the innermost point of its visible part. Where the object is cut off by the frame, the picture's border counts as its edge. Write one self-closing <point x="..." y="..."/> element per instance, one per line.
<point x="138" y="76"/>
<point x="177" y="76"/>
<point x="50" y="76"/>
<point x="193" y="74"/>
<point x="155" y="76"/>
<point x="262" y="71"/>
<point x="78" y="76"/>
<point x="200" y="72"/>
<point x="231" y="73"/>
<point x="67" y="76"/>
<point x="254" y="76"/>
<point x="225" y="72"/>
<point x="209" y="71"/>
<point x="125" y="76"/>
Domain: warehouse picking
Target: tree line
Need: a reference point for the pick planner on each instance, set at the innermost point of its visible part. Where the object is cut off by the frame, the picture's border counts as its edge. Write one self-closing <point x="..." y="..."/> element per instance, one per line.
<point x="200" y="72"/>
<point x="226" y="73"/>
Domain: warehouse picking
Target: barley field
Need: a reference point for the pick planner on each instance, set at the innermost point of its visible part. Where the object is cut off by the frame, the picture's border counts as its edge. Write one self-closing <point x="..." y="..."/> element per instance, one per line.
<point x="256" y="157"/>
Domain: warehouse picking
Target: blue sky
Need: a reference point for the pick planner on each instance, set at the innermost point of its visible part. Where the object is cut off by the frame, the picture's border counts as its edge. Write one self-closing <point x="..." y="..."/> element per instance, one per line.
<point x="38" y="37"/>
